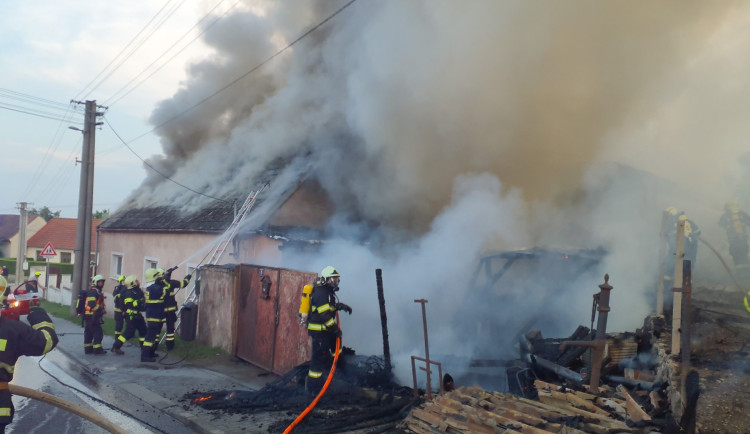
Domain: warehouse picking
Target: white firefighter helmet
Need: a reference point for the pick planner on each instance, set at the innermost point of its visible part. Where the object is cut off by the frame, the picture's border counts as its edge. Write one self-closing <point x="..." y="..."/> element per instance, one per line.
<point x="131" y="282"/>
<point x="154" y="273"/>
<point x="329" y="272"/>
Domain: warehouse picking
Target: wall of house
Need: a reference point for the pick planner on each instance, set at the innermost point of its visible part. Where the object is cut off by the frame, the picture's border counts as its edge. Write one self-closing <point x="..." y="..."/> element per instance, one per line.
<point x="167" y="249"/>
<point x="259" y="249"/>
<point x="31" y="228"/>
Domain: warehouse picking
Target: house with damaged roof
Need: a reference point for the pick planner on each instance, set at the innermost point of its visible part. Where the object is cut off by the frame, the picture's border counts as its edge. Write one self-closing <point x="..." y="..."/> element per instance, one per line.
<point x="281" y="216"/>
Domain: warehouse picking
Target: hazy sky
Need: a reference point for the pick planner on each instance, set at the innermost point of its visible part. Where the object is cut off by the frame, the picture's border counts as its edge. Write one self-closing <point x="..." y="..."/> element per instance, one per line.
<point x="108" y="52"/>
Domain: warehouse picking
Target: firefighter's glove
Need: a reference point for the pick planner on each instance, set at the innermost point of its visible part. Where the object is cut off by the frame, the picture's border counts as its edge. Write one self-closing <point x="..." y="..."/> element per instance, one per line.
<point x="337" y="333"/>
<point x="188" y="277"/>
<point x="38" y="315"/>
<point x="344" y="307"/>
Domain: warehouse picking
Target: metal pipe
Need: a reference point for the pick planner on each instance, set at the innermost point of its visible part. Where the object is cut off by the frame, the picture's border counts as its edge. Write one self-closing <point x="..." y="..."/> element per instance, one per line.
<point x="600" y="340"/>
<point x="554" y="367"/>
<point x="383" y="320"/>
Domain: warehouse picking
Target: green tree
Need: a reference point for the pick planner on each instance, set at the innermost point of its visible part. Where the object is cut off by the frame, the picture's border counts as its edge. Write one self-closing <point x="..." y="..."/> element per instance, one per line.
<point x="103" y="214"/>
<point x="45" y="213"/>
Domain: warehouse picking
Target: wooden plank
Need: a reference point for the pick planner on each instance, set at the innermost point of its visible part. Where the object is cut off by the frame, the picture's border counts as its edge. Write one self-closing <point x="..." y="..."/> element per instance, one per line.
<point x="635" y="411"/>
<point x="539" y="384"/>
<point x="574" y="401"/>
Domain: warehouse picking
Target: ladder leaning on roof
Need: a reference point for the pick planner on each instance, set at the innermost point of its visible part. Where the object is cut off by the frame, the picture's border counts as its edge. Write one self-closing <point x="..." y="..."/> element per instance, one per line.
<point x="221" y="246"/>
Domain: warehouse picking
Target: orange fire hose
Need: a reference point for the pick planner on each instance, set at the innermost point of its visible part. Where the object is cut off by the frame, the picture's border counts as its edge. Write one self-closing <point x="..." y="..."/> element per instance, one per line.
<point x="323" y="390"/>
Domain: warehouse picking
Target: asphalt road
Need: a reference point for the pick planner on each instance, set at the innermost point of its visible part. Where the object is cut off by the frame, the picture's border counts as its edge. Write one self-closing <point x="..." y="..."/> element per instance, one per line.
<point x="58" y="375"/>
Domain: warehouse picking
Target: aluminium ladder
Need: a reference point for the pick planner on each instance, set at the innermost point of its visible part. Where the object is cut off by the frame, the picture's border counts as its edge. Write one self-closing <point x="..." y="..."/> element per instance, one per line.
<point x="221" y="246"/>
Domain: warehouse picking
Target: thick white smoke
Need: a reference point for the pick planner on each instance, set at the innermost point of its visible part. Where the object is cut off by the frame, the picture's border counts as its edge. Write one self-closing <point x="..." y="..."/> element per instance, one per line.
<point x="456" y="127"/>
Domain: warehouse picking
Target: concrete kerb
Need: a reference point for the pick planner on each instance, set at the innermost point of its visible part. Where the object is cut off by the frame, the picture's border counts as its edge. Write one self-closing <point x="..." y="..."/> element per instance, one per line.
<point x="148" y="382"/>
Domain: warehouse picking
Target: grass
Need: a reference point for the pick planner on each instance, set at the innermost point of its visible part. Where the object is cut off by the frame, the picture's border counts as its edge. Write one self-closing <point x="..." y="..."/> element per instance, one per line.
<point x="194" y="351"/>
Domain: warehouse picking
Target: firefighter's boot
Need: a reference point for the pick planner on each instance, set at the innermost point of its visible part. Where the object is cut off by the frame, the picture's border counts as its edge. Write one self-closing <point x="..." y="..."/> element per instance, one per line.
<point x="118" y="351"/>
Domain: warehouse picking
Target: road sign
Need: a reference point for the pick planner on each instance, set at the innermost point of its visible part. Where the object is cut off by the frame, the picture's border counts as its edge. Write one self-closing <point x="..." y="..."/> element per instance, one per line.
<point x="48" y="250"/>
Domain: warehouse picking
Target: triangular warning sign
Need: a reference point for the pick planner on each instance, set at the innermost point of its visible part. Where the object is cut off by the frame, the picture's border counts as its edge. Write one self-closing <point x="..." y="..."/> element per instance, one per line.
<point x="48" y="250"/>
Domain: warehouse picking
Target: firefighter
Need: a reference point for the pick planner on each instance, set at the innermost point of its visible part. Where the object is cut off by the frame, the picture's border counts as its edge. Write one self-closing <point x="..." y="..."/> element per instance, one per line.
<point x="155" y="318"/>
<point x="736" y="222"/>
<point x="18" y="339"/>
<point x="170" y="303"/>
<point x="692" y="235"/>
<point x="4" y="289"/>
<point x="93" y="317"/>
<point x="323" y="328"/>
<point x="119" y="308"/>
<point x="132" y="301"/>
<point x="33" y="285"/>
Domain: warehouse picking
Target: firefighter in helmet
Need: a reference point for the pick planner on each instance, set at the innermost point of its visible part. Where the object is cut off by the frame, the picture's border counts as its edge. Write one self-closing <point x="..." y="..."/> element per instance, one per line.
<point x="119" y="307"/>
<point x="322" y="326"/>
<point x="19" y="339"/>
<point x="155" y="317"/>
<point x="170" y="303"/>
<point x="132" y="302"/>
<point x="93" y="317"/>
<point x="736" y="223"/>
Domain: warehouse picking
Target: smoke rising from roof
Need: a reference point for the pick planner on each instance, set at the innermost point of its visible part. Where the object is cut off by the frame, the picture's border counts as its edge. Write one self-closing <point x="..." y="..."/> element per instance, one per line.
<point x="472" y="126"/>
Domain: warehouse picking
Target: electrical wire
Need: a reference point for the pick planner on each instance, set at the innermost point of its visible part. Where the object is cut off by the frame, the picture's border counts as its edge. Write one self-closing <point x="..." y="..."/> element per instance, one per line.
<point x="114" y="59"/>
<point x="140" y="44"/>
<point x="112" y="101"/>
<point x="255" y="68"/>
<point x="157" y="171"/>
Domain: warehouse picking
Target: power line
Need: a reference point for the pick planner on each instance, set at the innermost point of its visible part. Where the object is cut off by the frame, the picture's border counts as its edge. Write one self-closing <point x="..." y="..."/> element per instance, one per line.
<point x="115" y="59"/>
<point x="233" y="82"/>
<point x="45" y="115"/>
<point x="156" y="170"/>
<point x="161" y="56"/>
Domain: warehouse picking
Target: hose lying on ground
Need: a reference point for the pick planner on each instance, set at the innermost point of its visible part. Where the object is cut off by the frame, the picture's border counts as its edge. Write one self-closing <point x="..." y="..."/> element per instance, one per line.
<point x="65" y="405"/>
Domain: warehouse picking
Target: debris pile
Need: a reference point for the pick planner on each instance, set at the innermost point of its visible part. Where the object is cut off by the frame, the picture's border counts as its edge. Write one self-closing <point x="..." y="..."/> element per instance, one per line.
<point x="362" y="395"/>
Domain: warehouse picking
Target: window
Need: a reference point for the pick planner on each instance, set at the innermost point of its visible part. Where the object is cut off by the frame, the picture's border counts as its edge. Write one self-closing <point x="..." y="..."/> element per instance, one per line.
<point x="39" y="256"/>
<point x="66" y="257"/>
<point x="116" y="265"/>
<point x="149" y="263"/>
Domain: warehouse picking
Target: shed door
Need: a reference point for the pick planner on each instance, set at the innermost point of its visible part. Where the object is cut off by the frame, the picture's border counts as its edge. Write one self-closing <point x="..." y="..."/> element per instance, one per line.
<point x="257" y="321"/>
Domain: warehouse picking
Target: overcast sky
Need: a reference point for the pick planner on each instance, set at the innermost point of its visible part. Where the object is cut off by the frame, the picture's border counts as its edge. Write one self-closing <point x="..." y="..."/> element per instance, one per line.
<point x="127" y="55"/>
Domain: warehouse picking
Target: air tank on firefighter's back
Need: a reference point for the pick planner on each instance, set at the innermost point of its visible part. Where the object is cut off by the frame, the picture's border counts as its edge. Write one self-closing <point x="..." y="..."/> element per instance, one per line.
<point x="304" y="305"/>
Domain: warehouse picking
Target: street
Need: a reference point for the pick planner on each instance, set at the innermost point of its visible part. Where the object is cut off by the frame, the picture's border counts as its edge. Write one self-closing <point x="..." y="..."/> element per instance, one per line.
<point x="52" y="377"/>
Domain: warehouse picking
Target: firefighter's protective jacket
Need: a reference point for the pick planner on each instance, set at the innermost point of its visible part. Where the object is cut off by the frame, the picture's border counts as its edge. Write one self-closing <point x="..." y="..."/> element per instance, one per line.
<point x="747" y="301"/>
<point x="18" y="339"/>
<point x="94" y="302"/>
<point x="117" y="298"/>
<point x="155" y="295"/>
<point x="322" y="310"/>
<point x="171" y="287"/>
<point x="133" y="301"/>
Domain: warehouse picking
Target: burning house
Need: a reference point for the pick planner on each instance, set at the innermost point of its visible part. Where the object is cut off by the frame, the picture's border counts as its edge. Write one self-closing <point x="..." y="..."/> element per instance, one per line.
<point x="438" y="132"/>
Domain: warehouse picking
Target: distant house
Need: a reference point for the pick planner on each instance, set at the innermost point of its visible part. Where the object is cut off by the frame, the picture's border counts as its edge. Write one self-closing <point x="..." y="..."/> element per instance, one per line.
<point x="135" y="239"/>
<point x="61" y="233"/>
<point x="9" y="232"/>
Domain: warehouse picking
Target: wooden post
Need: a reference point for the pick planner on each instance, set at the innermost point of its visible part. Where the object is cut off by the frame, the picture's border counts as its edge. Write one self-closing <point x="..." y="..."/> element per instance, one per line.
<point x="663" y="235"/>
<point x="677" y="291"/>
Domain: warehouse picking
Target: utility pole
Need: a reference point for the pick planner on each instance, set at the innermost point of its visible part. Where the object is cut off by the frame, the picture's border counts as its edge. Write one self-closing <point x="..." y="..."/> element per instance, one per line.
<point x="81" y="266"/>
<point x="21" y="258"/>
